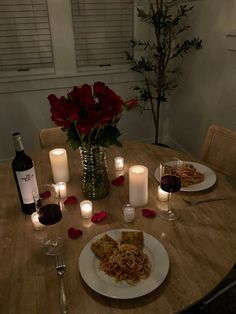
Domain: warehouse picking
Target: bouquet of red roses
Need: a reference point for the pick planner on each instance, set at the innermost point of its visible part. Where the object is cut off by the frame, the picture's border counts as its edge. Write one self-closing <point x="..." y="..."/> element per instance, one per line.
<point x="89" y="114"/>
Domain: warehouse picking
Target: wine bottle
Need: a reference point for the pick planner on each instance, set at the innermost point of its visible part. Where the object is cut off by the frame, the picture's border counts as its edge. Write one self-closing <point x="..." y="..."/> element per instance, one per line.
<point x="24" y="173"/>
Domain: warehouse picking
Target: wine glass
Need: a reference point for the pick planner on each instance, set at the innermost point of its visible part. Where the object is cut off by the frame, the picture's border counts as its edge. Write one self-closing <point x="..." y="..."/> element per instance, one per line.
<point x="48" y="207"/>
<point x="170" y="181"/>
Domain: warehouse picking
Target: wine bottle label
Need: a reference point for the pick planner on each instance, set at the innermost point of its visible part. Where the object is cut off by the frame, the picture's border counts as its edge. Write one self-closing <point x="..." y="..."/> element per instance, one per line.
<point x="27" y="183"/>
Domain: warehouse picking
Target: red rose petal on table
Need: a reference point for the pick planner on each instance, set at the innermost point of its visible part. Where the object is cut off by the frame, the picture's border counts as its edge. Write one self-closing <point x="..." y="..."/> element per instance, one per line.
<point x="99" y="216"/>
<point x="70" y="200"/>
<point x="74" y="233"/>
<point x="118" y="181"/>
<point x="45" y="194"/>
<point x="149" y="213"/>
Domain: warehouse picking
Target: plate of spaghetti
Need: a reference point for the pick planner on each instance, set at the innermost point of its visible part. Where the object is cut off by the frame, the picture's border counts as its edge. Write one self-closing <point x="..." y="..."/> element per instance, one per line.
<point x="194" y="177"/>
<point x="125" y="271"/>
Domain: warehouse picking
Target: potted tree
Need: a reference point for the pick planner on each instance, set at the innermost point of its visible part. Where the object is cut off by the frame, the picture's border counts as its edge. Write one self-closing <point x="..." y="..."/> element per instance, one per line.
<point x="161" y="52"/>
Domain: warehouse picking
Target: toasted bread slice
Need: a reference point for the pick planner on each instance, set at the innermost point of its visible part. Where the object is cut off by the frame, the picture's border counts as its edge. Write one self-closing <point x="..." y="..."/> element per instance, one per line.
<point x="132" y="237"/>
<point x="103" y="245"/>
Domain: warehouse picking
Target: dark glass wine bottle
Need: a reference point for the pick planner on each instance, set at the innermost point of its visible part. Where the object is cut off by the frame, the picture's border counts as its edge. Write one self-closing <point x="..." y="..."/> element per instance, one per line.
<point x="24" y="173"/>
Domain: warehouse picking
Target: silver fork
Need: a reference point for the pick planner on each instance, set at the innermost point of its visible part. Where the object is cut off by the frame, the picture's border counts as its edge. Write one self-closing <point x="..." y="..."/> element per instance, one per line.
<point x="210" y="199"/>
<point x="60" y="266"/>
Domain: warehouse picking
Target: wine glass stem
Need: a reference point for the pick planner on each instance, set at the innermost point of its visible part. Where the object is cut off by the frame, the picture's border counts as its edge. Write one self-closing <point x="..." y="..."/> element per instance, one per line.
<point x="170" y="203"/>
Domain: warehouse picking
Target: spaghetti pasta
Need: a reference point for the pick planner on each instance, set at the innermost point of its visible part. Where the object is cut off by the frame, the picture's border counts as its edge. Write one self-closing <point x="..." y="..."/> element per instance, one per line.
<point x="126" y="262"/>
<point x="189" y="175"/>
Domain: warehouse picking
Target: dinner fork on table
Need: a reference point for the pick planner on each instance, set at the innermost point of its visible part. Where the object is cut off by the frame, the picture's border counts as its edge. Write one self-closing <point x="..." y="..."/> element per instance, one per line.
<point x="60" y="266"/>
<point x="193" y="202"/>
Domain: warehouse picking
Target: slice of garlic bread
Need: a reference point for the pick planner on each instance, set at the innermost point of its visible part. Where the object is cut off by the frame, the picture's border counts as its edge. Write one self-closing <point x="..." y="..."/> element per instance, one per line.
<point x="103" y="245"/>
<point x="132" y="237"/>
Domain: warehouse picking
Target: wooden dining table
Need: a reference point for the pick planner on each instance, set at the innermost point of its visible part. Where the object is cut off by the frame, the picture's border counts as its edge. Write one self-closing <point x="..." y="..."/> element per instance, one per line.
<point x="201" y="244"/>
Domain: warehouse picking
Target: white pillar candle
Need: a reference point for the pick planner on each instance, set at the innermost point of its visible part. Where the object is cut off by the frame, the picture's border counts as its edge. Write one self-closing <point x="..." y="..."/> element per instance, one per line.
<point x="162" y="195"/>
<point x="35" y="220"/>
<point x="129" y="213"/>
<point x="138" y="185"/>
<point x="59" y="164"/>
<point x="119" y="163"/>
<point x="61" y="187"/>
<point x="86" y="208"/>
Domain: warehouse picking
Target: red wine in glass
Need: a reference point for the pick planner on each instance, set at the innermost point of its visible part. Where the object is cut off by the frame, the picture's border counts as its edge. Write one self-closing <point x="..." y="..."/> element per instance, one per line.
<point x="48" y="207"/>
<point x="170" y="183"/>
<point x="49" y="214"/>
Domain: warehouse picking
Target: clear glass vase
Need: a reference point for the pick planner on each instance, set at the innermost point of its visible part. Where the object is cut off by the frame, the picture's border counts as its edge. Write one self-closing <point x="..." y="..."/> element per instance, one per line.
<point x="95" y="183"/>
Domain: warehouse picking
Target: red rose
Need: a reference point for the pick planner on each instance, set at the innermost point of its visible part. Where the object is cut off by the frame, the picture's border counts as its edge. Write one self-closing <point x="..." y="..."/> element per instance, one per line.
<point x="83" y="130"/>
<point x="131" y="103"/>
<point x="99" y="88"/>
<point x="75" y="93"/>
<point x="106" y="120"/>
<point x="91" y="109"/>
<point x="53" y="100"/>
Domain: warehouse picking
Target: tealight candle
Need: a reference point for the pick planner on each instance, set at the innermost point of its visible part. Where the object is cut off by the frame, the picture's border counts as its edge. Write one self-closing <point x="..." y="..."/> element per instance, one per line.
<point x="61" y="188"/>
<point x="86" y="208"/>
<point x="119" y="163"/>
<point x="35" y="220"/>
<point x="59" y="164"/>
<point x="138" y="185"/>
<point x="162" y="195"/>
<point x="129" y="213"/>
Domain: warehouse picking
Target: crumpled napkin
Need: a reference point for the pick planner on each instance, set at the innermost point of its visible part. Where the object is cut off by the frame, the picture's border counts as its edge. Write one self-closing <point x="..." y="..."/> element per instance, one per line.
<point x="74" y="233"/>
<point x="149" y="213"/>
<point x="99" y="216"/>
<point x="71" y="200"/>
<point x="118" y="181"/>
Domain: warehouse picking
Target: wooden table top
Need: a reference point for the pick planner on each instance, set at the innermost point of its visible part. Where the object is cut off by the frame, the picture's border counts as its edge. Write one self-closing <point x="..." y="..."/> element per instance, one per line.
<point x="201" y="244"/>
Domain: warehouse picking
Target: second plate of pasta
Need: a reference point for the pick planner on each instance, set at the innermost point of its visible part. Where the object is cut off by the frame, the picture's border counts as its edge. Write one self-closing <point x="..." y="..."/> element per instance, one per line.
<point x="209" y="177"/>
<point x="107" y="286"/>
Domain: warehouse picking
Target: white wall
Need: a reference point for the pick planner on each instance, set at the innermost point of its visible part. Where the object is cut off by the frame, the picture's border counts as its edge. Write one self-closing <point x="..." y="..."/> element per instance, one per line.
<point x="207" y="90"/>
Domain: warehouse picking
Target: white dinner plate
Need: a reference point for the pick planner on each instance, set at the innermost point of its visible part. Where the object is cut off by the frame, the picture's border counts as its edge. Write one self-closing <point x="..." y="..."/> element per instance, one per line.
<point x="209" y="178"/>
<point x="107" y="286"/>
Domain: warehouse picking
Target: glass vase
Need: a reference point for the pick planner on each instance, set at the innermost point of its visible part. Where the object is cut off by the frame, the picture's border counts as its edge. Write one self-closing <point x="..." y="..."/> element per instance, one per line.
<point x="95" y="183"/>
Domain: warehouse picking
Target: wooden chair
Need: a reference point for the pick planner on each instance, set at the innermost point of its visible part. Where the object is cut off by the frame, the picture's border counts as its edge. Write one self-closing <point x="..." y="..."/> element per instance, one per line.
<point x="219" y="150"/>
<point x="52" y="137"/>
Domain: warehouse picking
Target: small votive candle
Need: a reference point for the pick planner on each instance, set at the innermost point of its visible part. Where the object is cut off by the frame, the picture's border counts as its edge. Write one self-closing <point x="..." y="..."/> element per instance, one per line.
<point x="162" y="195"/>
<point x="119" y="163"/>
<point x="86" y="208"/>
<point x="138" y="185"/>
<point x="129" y="213"/>
<point x="61" y="188"/>
<point x="35" y="220"/>
<point x="59" y="164"/>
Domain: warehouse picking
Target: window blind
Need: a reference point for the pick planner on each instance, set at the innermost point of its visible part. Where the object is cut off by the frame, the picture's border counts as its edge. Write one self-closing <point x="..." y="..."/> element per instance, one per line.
<point x="25" y="39"/>
<point x="102" y="29"/>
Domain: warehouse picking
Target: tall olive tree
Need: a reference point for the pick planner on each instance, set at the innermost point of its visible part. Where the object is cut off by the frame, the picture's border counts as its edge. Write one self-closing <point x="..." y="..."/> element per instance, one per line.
<point x="159" y="62"/>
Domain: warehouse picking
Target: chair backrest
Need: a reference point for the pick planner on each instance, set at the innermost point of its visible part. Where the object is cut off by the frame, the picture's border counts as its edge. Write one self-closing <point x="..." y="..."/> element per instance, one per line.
<point x="219" y="149"/>
<point x="52" y="137"/>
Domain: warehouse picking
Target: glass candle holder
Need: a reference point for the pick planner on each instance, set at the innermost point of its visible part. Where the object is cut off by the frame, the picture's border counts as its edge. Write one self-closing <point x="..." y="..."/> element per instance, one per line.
<point x="35" y="220"/>
<point x="61" y="188"/>
<point x="86" y="208"/>
<point x="119" y="163"/>
<point x="129" y="213"/>
<point x="162" y="195"/>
